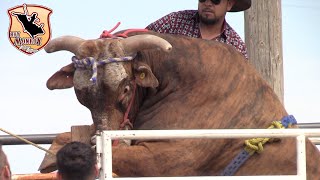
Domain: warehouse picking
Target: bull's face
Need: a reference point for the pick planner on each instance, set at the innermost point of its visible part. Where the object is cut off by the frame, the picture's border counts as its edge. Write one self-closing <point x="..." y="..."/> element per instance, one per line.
<point x="109" y="91"/>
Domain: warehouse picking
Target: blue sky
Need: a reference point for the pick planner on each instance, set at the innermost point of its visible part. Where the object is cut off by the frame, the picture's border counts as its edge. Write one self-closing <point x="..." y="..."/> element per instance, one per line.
<point x="28" y="107"/>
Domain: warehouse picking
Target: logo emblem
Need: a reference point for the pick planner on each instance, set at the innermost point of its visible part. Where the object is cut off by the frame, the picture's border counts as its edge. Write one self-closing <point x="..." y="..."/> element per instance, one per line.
<point x="29" y="29"/>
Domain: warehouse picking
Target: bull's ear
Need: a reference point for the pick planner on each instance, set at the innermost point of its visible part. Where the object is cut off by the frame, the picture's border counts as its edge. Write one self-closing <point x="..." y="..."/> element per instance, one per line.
<point x="62" y="79"/>
<point x="144" y="76"/>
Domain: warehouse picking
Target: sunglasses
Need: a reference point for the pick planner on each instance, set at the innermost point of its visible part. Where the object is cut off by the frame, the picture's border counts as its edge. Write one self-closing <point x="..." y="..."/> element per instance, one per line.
<point x="215" y="2"/>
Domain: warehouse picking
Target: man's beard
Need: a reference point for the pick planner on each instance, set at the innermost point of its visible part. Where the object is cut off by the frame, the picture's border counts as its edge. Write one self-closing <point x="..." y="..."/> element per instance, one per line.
<point x="208" y="21"/>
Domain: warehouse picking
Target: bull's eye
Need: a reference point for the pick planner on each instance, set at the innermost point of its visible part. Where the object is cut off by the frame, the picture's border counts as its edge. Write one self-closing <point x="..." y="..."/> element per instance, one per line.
<point x="124" y="98"/>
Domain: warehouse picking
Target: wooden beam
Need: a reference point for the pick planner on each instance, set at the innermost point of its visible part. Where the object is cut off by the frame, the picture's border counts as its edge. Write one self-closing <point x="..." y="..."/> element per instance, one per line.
<point x="263" y="37"/>
<point x="81" y="133"/>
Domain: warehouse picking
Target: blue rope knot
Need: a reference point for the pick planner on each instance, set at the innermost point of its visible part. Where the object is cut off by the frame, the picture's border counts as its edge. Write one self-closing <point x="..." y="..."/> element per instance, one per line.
<point x="288" y="121"/>
<point x="92" y="63"/>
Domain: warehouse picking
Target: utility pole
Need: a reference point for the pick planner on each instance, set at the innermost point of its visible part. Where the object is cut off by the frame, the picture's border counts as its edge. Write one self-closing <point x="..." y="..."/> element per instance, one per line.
<point x="263" y="37"/>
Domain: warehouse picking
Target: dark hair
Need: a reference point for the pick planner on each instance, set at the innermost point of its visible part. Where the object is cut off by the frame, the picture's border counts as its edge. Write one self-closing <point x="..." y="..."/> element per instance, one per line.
<point x="76" y="161"/>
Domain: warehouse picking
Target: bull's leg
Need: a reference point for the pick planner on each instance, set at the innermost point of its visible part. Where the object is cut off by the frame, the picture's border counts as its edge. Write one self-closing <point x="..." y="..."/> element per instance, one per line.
<point x="49" y="161"/>
<point x="158" y="159"/>
<point x="133" y="161"/>
<point x="78" y="133"/>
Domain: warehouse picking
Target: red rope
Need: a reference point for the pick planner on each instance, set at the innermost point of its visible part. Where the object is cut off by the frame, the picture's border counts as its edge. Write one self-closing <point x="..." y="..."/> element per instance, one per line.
<point x="107" y="34"/>
<point x="126" y="120"/>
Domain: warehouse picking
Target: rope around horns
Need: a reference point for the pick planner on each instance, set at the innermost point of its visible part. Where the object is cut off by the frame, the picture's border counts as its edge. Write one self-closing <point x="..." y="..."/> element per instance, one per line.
<point x="93" y="63"/>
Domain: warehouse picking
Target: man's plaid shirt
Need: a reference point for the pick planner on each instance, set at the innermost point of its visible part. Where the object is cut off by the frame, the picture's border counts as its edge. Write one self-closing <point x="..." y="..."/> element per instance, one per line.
<point x="187" y="23"/>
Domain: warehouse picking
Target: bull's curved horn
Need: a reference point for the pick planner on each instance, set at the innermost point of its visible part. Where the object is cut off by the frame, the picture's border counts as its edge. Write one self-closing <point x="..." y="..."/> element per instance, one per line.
<point x="68" y="43"/>
<point x="146" y="41"/>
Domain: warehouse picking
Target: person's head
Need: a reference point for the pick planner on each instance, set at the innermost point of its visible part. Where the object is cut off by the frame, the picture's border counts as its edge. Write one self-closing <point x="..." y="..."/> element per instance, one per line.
<point x="76" y="161"/>
<point x="213" y="11"/>
<point x="5" y="173"/>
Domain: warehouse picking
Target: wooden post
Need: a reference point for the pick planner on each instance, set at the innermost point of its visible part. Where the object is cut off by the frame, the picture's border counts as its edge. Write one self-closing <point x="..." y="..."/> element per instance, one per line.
<point x="81" y="133"/>
<point x="263" y="37"/>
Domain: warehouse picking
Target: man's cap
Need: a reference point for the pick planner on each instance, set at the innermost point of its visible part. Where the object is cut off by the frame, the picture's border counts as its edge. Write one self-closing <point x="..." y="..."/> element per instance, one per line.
<point x="241" y="5"/>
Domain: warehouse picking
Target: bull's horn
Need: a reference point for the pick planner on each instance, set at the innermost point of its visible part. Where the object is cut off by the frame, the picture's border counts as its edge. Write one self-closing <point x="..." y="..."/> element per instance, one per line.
<point x="68" y="43"/>
<point x="146" y="41"/>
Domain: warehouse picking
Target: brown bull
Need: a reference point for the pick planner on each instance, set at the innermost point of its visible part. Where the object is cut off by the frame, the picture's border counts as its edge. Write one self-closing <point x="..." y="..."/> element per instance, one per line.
<point x="199" y="84"/>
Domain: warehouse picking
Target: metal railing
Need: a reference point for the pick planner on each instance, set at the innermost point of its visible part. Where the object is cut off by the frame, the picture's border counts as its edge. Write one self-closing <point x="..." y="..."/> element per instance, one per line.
<point x="48" y="138"/>
<point x="309" y="125"/>
<point x="104" y="147"/>
<point x="35" y="138"/>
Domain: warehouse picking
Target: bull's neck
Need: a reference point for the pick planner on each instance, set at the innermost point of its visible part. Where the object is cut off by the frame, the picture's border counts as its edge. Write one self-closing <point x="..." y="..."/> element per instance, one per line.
<point x="101" y="120"/>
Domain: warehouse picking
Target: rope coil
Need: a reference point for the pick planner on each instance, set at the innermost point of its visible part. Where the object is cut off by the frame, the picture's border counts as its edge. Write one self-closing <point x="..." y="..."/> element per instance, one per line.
<point x="256" y="145"/>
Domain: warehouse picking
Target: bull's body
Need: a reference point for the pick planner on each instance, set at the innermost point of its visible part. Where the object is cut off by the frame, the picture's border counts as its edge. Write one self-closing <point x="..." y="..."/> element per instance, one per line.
<point x="202" y="85"/>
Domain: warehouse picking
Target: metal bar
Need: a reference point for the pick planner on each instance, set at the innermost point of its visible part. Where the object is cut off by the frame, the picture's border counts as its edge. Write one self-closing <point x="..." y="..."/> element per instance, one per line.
<point x="99" y="151"/>
<point x="316" y="141"/>
<point x="107" y="155"/>
<point x="301" y="157"/>
<point x="211" y="133"/>
<point x="289" y="177"/>
<point x="308" y="125"/>
<point x="35" y="138"/>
